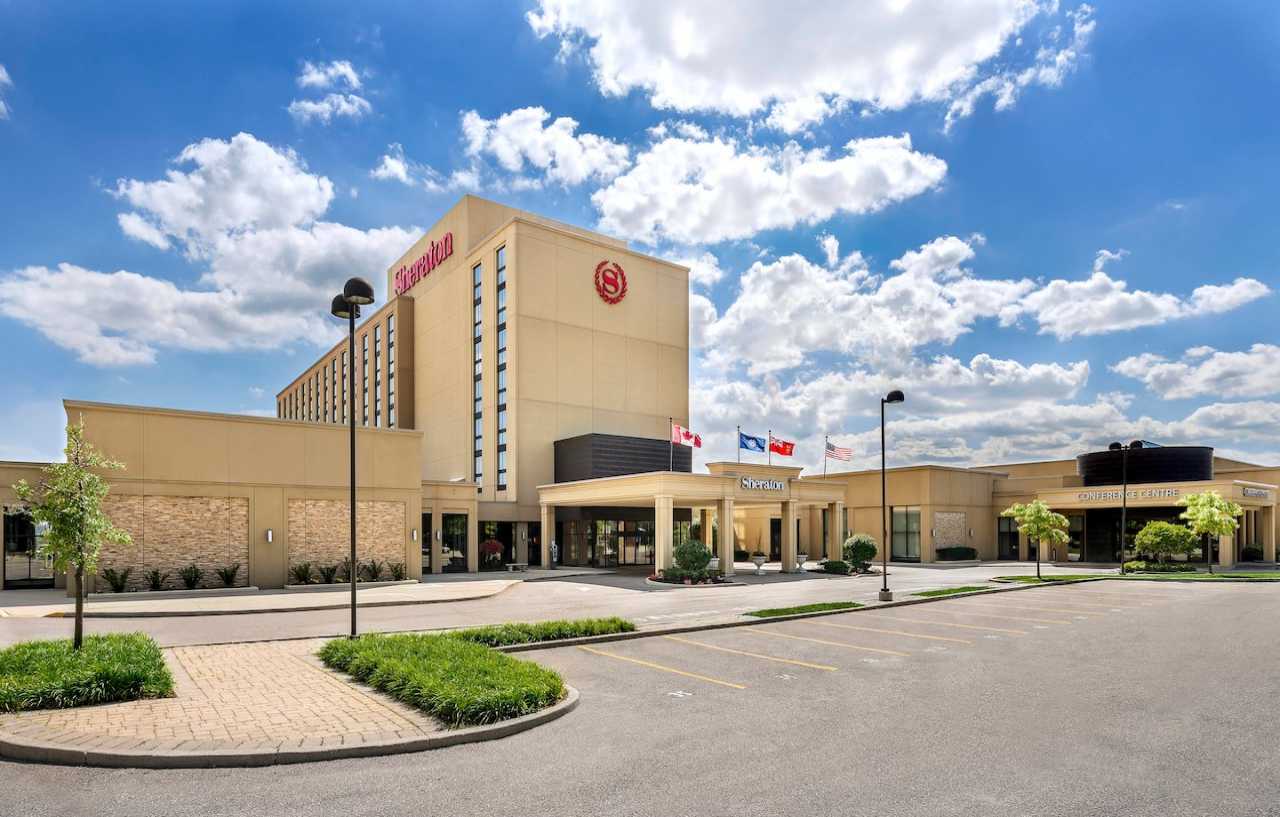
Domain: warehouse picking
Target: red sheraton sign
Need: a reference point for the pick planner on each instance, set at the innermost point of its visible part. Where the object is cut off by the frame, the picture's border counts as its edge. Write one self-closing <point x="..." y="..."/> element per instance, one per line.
<point x="410" y="274"/>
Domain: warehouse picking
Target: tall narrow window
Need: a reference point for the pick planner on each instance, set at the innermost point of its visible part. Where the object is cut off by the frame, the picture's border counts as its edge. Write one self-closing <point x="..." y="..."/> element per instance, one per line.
<point x="346" y="405"/>
<point x="364" y="379"/>
<point x="391" y="371"/>
<point x="501" y="275"/>
<point x="333" y="375"/>
<point x="323" y="376"/>
<point x="477" y="277"/>
<point x="377" y="376"/>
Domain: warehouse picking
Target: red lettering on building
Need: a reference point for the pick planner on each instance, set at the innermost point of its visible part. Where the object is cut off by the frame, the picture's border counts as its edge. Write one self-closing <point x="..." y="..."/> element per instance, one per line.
<point x="411" y="274"/>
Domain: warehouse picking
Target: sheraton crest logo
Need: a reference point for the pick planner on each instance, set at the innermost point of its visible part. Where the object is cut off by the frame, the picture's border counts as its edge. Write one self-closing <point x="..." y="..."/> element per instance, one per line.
<point x="611" y="282"/>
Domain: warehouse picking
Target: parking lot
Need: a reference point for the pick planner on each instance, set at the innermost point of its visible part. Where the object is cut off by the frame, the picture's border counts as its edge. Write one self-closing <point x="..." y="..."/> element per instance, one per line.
<point x="1104" y="698"/>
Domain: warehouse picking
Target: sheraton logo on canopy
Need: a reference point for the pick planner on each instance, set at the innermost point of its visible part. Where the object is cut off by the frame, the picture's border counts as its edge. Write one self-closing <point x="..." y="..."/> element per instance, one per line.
<point x="753" y="484"/>
<point x="411" y="274"/>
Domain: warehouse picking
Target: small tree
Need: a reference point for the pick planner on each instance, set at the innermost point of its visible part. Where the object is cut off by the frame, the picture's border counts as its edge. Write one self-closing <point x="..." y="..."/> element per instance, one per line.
<point x="859" y="550"/>
<point x="1037" y="521"/>
<point x="1209" y="514"/>
<point x="691" y="559"/>
<point x="1164" y="539"/>
<point x="69" y="501"/>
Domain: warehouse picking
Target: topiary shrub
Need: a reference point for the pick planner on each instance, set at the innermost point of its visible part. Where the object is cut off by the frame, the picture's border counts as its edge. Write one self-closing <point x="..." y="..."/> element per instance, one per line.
<point x="837" y="566"/>
<point x="956" y="553"/>
<point x="859" y="550"/>
<point x="692" y="557"/>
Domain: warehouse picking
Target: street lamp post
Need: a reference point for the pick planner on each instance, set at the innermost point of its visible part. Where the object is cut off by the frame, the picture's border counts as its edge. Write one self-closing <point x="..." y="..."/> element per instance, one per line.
<point x="894" y="396"/>
<point x="1124" y="491"/>
<point x="356" y="292"/>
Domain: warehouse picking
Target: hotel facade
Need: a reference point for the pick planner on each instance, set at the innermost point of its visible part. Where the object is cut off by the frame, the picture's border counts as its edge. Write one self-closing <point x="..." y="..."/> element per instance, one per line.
<point x="513" y="400"/>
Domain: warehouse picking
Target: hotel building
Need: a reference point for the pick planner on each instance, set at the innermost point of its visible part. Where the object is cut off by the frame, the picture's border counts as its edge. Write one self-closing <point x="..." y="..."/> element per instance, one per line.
<point x="513" y="398"/>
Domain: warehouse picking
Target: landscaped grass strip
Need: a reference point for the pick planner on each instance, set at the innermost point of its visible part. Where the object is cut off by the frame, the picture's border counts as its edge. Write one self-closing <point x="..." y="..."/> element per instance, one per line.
<point x="504" y="635"/>
<point x="950" y="591"/>
<point x="820" y="607"/>
<point x="50" y="675"/>
<point x="1267" y="576"/>
<point x="458" y="682"/>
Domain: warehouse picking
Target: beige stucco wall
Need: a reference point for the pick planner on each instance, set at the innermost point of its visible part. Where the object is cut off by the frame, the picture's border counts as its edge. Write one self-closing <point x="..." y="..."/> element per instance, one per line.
<point x="261" y="463"/>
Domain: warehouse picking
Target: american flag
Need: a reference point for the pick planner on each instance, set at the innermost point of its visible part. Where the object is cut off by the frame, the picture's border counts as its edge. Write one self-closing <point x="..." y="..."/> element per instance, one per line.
<point x="835" y="452"/>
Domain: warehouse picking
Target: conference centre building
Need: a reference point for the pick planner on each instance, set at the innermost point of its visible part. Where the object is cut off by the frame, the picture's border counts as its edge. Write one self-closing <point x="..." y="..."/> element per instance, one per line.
<point x="514" y="399"/>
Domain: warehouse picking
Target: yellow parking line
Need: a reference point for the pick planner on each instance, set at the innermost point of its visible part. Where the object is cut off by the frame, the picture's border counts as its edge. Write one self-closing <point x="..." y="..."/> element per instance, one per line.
<point x="750" y="654"/>
<point x="652" y="665"/>
<point x="1006" y="617"/>
<point x="950" y="623"/>
<point x="890" y="632"/>
<point x="1007" y="606"/>
<point x="830" y="643"/>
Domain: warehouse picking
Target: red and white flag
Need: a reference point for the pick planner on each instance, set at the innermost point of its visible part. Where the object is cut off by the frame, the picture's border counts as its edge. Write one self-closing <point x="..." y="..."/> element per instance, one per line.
<point x="683" y="436"/>
<point x="780" y="446"/>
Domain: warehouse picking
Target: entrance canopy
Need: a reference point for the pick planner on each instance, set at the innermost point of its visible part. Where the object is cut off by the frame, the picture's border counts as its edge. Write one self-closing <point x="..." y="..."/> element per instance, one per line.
<point x="726" y="486"/>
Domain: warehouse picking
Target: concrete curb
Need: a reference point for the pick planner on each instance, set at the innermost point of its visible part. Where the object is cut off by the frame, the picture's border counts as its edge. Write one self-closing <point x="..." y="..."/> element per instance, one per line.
<point x="751" y="621"/>
<point x="14" y="747"/>
<point x="310" y="608"/>
<point x="673" y="586"/>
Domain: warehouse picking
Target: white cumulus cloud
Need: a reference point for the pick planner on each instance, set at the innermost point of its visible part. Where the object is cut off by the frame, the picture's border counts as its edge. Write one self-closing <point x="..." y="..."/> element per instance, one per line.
<point x="524" y="139"/>
<point x="329" y="107"/>
<point x="331" y="74"/>
<point x="692" y="191"/>
<point x="1204" y="371"/>
<point x="5" y="82"/>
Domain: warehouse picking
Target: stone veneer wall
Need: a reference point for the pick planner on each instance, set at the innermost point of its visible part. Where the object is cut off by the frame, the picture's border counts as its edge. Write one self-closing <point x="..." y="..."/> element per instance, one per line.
<point x="171" y="532"/>
<point x="950" y="528"/>
<point x="320" y="531"/>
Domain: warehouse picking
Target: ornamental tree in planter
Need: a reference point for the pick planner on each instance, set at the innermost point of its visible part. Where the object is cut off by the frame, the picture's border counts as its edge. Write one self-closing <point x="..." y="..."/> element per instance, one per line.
<point x="491" y="551"/>
<point x="1208" y="513"/>
<point x="69" y="501"/>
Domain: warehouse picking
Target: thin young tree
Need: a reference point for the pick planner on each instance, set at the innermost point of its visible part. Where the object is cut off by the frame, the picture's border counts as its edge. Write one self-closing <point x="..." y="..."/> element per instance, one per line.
<point x="69" y="500"/>
<point x="1209" y="513"/>
<point x="1037" y="521"/>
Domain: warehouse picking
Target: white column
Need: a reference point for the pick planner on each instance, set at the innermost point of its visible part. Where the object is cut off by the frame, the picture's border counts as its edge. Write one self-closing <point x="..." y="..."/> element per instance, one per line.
<point x="1268" y="520"/>
<point x="662" y="521"/>
<point x="548" y="519"/>
<point x="789" y="537"/>
<point x="724" y="520"/>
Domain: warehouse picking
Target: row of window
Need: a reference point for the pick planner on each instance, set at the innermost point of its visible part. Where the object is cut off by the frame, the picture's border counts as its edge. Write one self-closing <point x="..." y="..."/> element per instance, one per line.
<point x="477" y="357"/>
<point x="322" y="396"/>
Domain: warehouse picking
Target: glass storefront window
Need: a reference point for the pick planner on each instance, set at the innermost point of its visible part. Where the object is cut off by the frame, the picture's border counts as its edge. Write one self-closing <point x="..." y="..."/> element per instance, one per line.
<point x="904" y="530"/>
<point x="453" y="542"/>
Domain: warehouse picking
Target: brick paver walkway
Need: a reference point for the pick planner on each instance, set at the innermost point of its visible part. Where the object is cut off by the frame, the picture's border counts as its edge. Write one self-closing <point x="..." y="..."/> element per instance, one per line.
<point x="241" y="697"/>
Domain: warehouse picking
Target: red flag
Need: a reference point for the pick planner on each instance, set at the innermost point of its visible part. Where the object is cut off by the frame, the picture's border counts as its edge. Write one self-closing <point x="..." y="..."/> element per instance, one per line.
<point x="683" y="436"/>
<point x="782" y="447"/>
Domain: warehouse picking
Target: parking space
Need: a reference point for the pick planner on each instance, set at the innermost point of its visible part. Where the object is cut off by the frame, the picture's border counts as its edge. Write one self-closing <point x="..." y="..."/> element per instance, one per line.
<point x="828" y="654"/>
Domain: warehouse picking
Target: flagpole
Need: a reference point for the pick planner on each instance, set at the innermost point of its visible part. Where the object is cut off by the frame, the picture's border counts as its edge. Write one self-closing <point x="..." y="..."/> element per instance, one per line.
<point x="771" y="446"/>
<point x="739" y="445"/>
<point x="671" y="447"/>
<point x="825" y="442"/>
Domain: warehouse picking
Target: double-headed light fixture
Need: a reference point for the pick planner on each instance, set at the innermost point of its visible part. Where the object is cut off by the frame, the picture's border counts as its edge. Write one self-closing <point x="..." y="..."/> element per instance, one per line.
<point x="357" y="292"/>
<point x="895" y="396"/>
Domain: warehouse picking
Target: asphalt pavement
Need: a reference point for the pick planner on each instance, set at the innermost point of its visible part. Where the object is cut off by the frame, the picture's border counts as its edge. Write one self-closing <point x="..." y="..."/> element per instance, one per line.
<point x="1095" y="699"/>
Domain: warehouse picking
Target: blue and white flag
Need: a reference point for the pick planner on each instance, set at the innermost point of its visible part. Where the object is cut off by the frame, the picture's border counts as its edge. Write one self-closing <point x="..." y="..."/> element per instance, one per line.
<point x="749" y="443"/>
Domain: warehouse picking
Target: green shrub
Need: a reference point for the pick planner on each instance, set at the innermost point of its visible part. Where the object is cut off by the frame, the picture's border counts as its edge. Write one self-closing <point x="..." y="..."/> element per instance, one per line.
<point x="156" y="579"/>
<point x="1141" y="566"/>
<point x="458" y="682"/>
<point x="819" y="607"/>
<point x="344" y="570"/>
<point x="740" y="555"/>
<point x="1165" y="539"/>
<point x="398" y="571"/>
<point x="51" y="675"/>
<point x="951" y="591"/>
<point x="691" y="559"/>
<point x="503" y="635"/>
<point x="837" y="566"/>
<point x="300" y="573"/>
<point x="956" y="553"/>
<point x="228" y="574"/>
<point x="191" y="576"/>
<point x="118" y="579"/>
<point x="328" y="573"/>
<point x="1251" y="553"/>
<point x="372" y="570"/>
<point x="859" y="550"/>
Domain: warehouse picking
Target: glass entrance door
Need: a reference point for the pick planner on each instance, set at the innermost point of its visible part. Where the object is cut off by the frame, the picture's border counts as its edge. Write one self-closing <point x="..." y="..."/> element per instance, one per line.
<point x="453" y="542"/>
<point x="904" y="529"/>
<point x="1007" y="534"/>
<point x="22" y="566"/>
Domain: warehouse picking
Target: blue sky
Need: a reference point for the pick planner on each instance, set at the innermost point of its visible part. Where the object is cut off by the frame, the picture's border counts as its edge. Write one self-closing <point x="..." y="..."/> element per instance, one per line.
<point x="1051" y="224"/>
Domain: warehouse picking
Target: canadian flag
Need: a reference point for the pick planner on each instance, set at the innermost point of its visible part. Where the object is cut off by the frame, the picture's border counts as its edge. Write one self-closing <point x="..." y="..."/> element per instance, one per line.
<point x="683" y="436"/>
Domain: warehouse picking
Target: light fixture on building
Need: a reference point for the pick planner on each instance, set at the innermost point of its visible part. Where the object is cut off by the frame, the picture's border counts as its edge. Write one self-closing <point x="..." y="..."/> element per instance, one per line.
<point x="356" y="292"/>
<point x="895" y="396"/>
<point x="413" y="535"/>
<point x="269" y="536"/>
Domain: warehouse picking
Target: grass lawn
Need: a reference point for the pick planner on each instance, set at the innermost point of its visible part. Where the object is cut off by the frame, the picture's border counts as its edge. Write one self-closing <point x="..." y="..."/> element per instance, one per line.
<point x="459" y="682"/>
<point x="804" y="608"/>
<point x="502" y="635"/>
<point x="51" y="675"/>
<point x="950" y="591"/>
<point x="1229" y="576"/>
